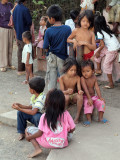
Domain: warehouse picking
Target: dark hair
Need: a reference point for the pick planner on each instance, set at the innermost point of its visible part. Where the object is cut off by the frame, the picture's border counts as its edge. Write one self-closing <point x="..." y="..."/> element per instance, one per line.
<point x="21" y="1"/>
<point x="74" y="14"/>
<point x="37" y="84"/>
<point x="27" y="35"/>
<point x="48" y="25"/>
<point x="87" y="63"/>
<point x="55" y="106"/>
<point x="55" y="12"/>
<point x="69" y="63"/>
<point x="45" y="18"/>
<point x="90" y="16"/>
<point x="100" y="24"/>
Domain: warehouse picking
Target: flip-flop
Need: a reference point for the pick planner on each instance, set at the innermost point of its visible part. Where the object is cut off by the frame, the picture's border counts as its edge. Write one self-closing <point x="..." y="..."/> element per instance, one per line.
<point x="104" y="121"/>
<point x="3" y="69"/>
<point x="108" y="87"/>
<point x="86" y="123"/>
<point x="12" y="67"/>
<point x="98" y="74"/>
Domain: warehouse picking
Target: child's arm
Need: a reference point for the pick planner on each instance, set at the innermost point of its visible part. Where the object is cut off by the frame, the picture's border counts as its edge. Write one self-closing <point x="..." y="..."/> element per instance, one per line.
<point x="91" y="46"/>
<point x="28" y="57"/>
<point x="97" y="88"/>
<point x="101" y="46"/>
<point x="71" y="38"/>
<point x="79" y="86"/>
<point x="23" y="106"/>
<point x="34" y="136"/>
<point x="84" y="86"/>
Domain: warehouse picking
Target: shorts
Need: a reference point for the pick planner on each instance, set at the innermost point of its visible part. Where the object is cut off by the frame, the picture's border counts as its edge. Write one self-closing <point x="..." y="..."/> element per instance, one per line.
<point x="88" y="56"/>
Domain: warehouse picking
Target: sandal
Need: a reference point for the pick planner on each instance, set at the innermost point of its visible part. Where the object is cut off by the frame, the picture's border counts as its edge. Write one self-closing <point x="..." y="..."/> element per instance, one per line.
<point x="21" y="137"/>
<point x="86" y="123"/>
<point x="25" y="82"/>
<point x="98" y="74"/>
<point x="11" y="67"/>
<point x="108" y="87"/>
<point x="3" y="69"/>
<point x="104" y="121"/>
<point x="21" y="73"/>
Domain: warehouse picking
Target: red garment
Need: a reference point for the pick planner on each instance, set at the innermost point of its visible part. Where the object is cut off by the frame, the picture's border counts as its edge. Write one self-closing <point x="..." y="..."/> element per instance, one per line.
<point x="88" y="56"/>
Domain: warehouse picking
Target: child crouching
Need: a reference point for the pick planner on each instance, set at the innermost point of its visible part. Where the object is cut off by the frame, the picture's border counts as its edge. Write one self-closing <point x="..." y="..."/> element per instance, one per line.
<point x="54" y="126"/>
<point x="33" y="112"/>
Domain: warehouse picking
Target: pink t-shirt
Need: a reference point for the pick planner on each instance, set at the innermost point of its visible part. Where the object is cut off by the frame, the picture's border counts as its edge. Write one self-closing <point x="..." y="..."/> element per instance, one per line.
<point x="57" y="138"/>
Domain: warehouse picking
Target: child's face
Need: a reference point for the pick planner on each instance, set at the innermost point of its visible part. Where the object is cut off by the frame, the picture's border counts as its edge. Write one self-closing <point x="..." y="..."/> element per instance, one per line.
<point x="42" y="22"/>
<point x="72" y="71"/>
<point x="24" y="39"/>
<point x="31" y="90"/>
<point x="85" y="23"/>
<point x="87" y="72"/>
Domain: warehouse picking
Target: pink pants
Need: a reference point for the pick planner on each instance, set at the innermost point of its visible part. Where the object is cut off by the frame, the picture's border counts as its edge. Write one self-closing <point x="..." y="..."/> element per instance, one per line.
<point x="100" y="105"/>
<point x="110" y="56"/>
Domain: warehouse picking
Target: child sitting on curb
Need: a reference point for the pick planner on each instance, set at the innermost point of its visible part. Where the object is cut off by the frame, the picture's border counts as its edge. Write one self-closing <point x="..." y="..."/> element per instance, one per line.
<point x="33" y="112"/>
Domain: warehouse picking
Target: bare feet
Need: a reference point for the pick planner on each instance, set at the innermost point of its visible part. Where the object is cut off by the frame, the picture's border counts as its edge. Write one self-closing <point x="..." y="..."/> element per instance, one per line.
<point x="25" y="82"/>
<point x="21" y="137"/>
<point x="35" y="153"/>
<point x="76" y="120"/>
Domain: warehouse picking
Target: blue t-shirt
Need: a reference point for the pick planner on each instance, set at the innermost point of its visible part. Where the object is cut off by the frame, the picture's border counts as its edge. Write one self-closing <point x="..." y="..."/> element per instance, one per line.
<point x="22" y="20"/>
<point x="56" y="40"/>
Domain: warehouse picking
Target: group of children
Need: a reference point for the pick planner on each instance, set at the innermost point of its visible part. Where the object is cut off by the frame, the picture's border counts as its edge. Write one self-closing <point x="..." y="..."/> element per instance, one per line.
<point x="56" y="125"/>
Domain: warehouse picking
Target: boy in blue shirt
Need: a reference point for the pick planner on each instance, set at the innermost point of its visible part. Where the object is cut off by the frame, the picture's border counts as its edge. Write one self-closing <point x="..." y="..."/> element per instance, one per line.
<point x="55" y="41"/>
<point x="33" y="112"/>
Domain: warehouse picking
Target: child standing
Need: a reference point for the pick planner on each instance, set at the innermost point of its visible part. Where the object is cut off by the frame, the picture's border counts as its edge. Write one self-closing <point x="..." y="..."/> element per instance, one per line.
<point x="55" y="40"/>
<point x="83" y="35"/>
<point x="54" y="126"/>
<point x="27" y="55"/>
<point x="90" y="85"/>
<point x="72" y="94"/>
<point x="33" y="112"/>
<point x="109" y="47"/>
<point x="39" y="41"/>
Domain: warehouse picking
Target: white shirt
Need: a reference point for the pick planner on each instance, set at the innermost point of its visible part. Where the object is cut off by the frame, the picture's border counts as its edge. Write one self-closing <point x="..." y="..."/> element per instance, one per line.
<point x="70" y="23"/>
<point x="27" y="49"/>
<point x="110" y="42"/>
<point x="87" y="4"/>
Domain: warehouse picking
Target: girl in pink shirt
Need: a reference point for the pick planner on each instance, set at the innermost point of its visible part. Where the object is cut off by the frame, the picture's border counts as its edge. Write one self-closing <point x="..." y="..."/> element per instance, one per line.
<point x="55" y="126"/>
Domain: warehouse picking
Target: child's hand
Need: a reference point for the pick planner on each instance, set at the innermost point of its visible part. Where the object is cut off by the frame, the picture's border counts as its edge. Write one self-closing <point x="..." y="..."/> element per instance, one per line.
<point x="75" y="44"/>
<point x="90" y="102"/>
<point x="97" y="54"/>
<point x="70" y="91"/>
<point x="82" y="43"/>
<point x="15" y="106"/>
<point x="80" y="92"/>
<point x="102" y="99"/>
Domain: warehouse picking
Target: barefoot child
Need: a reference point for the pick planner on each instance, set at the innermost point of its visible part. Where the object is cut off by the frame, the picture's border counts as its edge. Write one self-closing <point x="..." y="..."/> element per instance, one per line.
<point x="54" y="127"/>
<point x="27" y="55"/>
<point x="33" y="112"/>
<point x="90" y="85"/>
<point x="109" y="47"/>
<point x="70" y="85"/>
<point x="83" y="35"/>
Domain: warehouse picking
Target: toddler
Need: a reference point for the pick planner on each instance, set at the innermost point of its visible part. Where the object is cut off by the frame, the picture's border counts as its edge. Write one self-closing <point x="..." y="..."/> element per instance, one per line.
<point x="54" y="127"/>
<point x="90" y="85"/>
<point x="83" y="35"/>
<point x="27" y="55"/>
<point x="68" y="82"/>
<point x="108" y="47"/>
<point x="33" y="112"/>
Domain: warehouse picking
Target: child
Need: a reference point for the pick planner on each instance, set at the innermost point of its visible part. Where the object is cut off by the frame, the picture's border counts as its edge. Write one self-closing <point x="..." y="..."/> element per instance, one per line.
<point x="90" y="85"/>
<point x="109" y="47"/>
<point x="27" y="55"/>
<point x="55" y="40"/>
<point x="54" y="126"/>
<point x="33" y="112"/>
<point x="88" y="4"/>
<point x="74" y="19"/>
<point x="39" y="41"/>
<point x="83" y="35"/>
<point x="72" y="94"/>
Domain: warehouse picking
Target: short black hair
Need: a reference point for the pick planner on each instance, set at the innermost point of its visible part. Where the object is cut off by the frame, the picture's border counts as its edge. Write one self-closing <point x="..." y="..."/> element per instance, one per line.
<point x="27" y="35"/>
<point x="90" y="16"/>
<point x="74" y="14"/>
<point x="55" y="107"/>
<point x="37" y="84"/>
<point x="21" y="1"/>
<point x="87" y="63"/>
<point x="55" y="11"/>
<point x="69" y="63"/>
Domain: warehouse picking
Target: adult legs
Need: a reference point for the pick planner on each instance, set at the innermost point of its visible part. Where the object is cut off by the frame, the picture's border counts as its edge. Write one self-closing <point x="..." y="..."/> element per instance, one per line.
<point x="10" y="50"/>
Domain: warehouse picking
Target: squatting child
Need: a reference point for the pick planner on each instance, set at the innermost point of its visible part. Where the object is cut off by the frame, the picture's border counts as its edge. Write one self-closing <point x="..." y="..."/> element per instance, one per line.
<point x="55" y="127"/>
<point x="83" y="35"/>
<point x="90" y="85"/>
<point x="55" y="40"/>
<point x="70" y="85"/>
<point x="33" y="112"/>
<point x="27" y="55"/>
